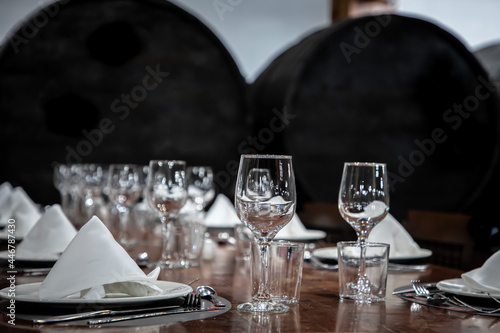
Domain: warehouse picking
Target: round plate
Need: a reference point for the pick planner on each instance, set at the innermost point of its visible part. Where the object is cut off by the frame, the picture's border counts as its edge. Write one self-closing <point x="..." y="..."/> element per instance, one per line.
<point x="330" y="253"/>
<point x="458" y="287"/>
<point x="307" y="235"/>
<point x="29" y="293"/>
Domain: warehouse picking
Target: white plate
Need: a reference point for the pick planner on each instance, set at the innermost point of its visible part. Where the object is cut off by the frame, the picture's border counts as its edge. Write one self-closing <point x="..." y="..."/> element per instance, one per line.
<point x="29" y="293"/>
<point x="307" y="235"/>
<point x="457" y="287"/>
<point x="330" y="253"/>
<point x="4" y="255"/>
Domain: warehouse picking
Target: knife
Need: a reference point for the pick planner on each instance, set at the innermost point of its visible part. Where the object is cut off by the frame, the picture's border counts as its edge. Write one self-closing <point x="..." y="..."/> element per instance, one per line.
<point x="100" y="313"/>
<point x="145" y="315"/>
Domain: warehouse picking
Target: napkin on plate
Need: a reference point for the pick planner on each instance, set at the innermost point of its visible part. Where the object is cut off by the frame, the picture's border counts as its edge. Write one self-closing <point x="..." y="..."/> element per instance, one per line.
<point x="49" y="236"/>
<point x="485" y="278"/>
<point x="391" y="232"/>
<point x="23" y="210"/>
<point x="94" y="265"/>
<point x="222" y="213"/>
<point x="293" y="229"/>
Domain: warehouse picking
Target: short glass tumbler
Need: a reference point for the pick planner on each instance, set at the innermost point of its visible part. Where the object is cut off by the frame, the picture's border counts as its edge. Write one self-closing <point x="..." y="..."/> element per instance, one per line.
<point x="377" y="260"/>
<point x="285" y="270"/>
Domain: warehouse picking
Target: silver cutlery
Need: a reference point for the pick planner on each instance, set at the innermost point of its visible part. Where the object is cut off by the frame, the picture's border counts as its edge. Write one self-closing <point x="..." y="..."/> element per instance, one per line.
<point x="144" y="315"/>
<point x="421" y="290"/>
<point x="211" y="294"/>
<point x="191" y="302"/>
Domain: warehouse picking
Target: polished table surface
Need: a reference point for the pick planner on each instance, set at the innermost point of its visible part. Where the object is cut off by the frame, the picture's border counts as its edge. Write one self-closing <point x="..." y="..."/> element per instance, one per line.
<point x="319" y="309"/>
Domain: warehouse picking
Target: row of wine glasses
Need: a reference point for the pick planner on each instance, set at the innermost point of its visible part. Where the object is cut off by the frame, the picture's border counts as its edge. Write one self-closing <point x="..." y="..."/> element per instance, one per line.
<point x="116" y="194"/>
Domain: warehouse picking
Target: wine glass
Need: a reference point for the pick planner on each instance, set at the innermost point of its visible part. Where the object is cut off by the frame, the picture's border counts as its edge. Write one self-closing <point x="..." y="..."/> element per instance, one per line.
<point x="200" y="186"/>
<point x="124" y="186"/>
<point x="265" y="202"/>
<point x="166" y="194"/>
<point x="94" y="177"/>
<point x="363" y="203"/>
<point x="62" y="184"/>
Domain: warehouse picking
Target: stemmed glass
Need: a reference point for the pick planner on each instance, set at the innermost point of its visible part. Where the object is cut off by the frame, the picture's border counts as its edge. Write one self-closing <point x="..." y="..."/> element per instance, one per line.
<point x="94" y="177"/>
<point x="200" y="186"/>
<point x="166" y="194"/>
<point x="124" y="186"/>
<point x="61" y="180"/>
<point x="265" y="202"/>
<point x="363" y="203"/>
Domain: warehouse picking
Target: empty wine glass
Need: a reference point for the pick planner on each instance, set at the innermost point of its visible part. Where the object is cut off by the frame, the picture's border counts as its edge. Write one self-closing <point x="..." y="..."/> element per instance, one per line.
<point x="124" y="186"/>
<point x="363" y="203"/>
<point x="61" y="178"/>
<point x="265" y="202"/>
<point x="200" y="186"/>
<point x="166" y="194"/>
<point x="94" y="178"/>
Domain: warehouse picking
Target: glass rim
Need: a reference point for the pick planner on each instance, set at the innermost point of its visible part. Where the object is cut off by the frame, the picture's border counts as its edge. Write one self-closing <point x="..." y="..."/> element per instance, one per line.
<point x="365" y="164"/>
<point x="357" y="244"/>
<point x="284" y="242"/>
<point x="268" y="156"/>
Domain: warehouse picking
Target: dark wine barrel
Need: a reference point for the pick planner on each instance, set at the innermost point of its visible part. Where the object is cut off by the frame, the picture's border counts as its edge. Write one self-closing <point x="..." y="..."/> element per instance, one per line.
<point x="116" y="81"/>
<point x="388" y="89"/>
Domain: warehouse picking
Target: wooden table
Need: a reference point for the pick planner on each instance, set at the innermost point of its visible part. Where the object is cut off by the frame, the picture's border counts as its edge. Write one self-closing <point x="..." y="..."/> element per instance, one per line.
<point x="319" y="310"/>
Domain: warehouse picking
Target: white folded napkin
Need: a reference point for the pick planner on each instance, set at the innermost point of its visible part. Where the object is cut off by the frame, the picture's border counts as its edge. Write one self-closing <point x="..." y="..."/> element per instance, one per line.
<point x="485" y="278"/>
<point x="23" y="210"/>
<point x="222" y="213"/>
<point x="294" y="228"/>
<point x="49" y="236"/>
<point x="94" y="265"/>
<point x="391" y="232"/>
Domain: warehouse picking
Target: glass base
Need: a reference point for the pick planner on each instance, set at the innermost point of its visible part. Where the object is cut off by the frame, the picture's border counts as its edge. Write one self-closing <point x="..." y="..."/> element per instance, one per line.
<point x="263" y="307"/>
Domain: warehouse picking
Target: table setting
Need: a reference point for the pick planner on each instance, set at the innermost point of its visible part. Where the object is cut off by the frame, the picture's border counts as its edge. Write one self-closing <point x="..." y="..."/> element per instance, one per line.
<point x="476" y="291"/>
<point x="93" y="281"/>
<point x="94" y="272"/>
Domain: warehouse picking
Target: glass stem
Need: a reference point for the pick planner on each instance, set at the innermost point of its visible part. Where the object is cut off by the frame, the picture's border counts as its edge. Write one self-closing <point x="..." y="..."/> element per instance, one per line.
<point x="165" y="251"/>
<point x="123" y="216"/>
<point x="363" y="282"/>
<point x="263" y="293"/>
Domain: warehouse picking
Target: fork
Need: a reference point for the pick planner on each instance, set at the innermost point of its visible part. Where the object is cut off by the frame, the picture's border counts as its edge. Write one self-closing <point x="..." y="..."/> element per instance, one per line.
<point x="421" y="290"/>
<point x="192" y="300"/>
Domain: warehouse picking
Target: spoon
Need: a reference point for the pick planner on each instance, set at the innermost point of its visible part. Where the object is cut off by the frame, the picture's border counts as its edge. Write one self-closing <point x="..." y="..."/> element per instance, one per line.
<point x="210" y="293"/>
